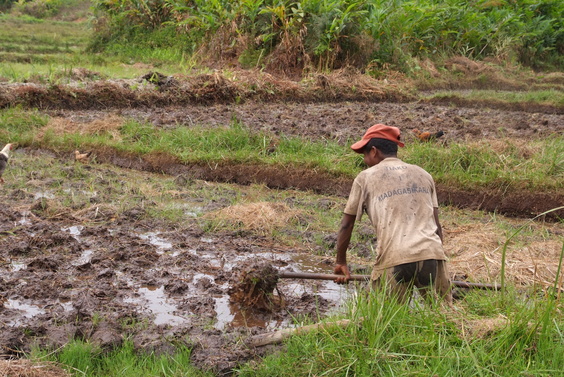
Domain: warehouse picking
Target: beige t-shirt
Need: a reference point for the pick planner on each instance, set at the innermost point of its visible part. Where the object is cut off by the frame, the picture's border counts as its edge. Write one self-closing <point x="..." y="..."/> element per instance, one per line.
<point x="399" y="199"/>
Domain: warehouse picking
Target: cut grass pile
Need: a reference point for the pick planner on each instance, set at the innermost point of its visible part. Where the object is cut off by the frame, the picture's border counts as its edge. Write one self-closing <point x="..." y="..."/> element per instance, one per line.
<point x="29" y="368"/>
<point x="262" y="218"/>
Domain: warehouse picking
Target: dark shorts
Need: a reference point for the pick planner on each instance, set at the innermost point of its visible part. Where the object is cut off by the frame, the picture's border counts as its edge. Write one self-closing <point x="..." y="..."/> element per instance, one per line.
<point x="421" y="274"/>
<point x="428" y="276"/>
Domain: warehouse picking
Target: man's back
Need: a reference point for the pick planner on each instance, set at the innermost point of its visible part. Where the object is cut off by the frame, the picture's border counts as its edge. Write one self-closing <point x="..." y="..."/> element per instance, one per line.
<point x="399" y="199"/>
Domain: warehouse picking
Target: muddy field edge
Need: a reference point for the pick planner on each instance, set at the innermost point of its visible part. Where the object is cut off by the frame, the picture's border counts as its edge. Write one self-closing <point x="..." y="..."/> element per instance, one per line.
<point x="509" y="202"/>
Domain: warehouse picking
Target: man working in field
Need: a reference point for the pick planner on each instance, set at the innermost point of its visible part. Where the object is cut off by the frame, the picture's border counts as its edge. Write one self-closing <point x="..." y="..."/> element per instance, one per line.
<point x="401" y="202"/>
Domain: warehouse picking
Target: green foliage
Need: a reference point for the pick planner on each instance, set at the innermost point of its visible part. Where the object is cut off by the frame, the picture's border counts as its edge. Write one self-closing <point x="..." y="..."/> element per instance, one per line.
<point x="6" y="4"/>
<point x="332" y="33"/>
<point x="124" y="361"/>
<point x="388" y="339"/>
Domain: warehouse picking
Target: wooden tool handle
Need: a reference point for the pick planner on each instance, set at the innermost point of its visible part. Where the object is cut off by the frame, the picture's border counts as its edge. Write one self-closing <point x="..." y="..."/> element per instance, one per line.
<point x="319" y="276"/>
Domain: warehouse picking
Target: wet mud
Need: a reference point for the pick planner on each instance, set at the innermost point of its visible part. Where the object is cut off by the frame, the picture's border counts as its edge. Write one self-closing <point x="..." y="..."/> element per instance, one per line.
<point x="110" y="277"/>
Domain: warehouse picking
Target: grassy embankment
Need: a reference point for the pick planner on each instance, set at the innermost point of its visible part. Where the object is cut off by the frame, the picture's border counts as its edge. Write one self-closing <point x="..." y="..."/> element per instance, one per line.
<point x="537" y="165"/>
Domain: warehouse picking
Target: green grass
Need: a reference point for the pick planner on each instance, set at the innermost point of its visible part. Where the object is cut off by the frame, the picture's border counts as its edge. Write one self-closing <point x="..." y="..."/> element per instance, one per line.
<point x="537" y="165"/>
<point x="85" y="359"/>
<point x="509" y="165"/>
<point x="394" y="340"/>
<point x="46" y="51"/>
<point x="546" y="97"/>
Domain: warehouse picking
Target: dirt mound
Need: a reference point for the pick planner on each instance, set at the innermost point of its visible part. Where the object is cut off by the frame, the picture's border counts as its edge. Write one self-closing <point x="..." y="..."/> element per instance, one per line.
<point x="254" y="287"/>
<point x="161" y="90"/>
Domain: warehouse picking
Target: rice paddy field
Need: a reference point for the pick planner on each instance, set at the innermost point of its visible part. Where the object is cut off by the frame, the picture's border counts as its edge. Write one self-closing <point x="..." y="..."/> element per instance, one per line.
<point x="140" y="191"/>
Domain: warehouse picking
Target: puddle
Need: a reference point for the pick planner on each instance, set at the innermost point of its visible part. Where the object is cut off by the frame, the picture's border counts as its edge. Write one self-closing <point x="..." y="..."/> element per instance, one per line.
<point x="230" y="315"/>
<point x="29" y="311"/>
<point x="74" y="230"/>
<point x="43" y="195"/>
<point x="327" y="289"/>
<point x="17" y="266"/>
<point x="153" y="299"/>
<point x="155" y="240"/>
<point x="199" y="276"/>
<point x="84" y="258"/>
<point x="258" y="256"/>
<point x="189" y="210"/>
<point x="66" y="304"/>
<point x="25" y="219"/>
<point x="309" y="263"/>
<point x="213" y="260"/>
<point x="83" y="192"/>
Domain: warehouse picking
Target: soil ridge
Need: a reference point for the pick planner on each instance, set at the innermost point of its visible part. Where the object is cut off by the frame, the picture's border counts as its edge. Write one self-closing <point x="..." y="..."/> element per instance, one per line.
<point x="513" y="203"/>
<point x="216" y="89"/>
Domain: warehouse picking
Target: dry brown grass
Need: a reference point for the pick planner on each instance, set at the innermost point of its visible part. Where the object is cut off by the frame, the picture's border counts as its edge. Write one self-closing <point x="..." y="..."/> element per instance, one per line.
<point x="475" y="250"/>
<point x="28" y="368"/>
<point x="108" y="125"/>
<point x="262" y="217"/>
<point x="478" y="328"/>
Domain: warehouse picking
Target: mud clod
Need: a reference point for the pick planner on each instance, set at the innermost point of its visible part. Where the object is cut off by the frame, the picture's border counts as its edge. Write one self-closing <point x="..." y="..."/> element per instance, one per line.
<point x="254" y="288"/>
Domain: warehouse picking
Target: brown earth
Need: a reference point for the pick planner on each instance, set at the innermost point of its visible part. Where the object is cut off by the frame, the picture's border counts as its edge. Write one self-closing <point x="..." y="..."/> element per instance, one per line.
<point x="118" y="276"/>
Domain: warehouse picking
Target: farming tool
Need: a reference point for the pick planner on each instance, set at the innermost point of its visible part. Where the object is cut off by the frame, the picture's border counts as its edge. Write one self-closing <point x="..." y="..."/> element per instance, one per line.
<point x="255" y="290"/>
<point x="254" y="286"/>
<point x="319" y="276"/>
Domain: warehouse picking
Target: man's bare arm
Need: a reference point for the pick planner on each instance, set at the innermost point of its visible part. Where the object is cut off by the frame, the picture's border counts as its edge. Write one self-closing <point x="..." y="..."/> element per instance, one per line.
<point x="344" y="237"/>
<point x="439" y="228"/>
<point x="343" y="240"/>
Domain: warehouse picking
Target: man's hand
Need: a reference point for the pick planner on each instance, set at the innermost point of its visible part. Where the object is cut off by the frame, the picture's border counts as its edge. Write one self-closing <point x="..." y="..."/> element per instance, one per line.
<point x="342" y="269"/>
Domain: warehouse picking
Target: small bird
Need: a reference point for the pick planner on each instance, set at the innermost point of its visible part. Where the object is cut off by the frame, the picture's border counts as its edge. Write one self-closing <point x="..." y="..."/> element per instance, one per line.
<point x="426" y="135"/>
<point x="4" y="157"/>
<point x="81" y="157"/>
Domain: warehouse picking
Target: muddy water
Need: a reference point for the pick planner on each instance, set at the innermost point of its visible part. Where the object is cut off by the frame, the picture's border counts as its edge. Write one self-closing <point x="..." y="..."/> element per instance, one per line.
<point x="61" y="279"/>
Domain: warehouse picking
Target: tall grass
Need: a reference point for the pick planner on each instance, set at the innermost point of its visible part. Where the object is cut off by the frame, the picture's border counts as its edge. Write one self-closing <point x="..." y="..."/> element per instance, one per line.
<point x="331" y="33"/>
<point x="520" y="337"/>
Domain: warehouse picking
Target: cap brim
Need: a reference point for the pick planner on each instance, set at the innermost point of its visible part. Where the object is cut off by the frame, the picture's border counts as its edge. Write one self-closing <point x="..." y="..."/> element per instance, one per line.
<point x="359" y="145"/>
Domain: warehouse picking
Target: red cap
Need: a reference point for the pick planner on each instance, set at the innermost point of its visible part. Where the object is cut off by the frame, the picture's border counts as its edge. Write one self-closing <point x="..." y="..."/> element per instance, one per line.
<point x="380" y="131"/>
